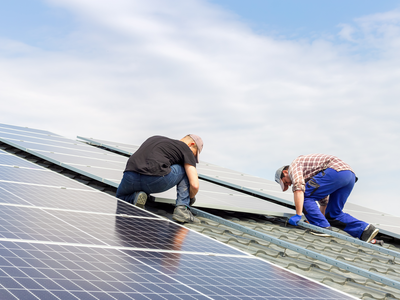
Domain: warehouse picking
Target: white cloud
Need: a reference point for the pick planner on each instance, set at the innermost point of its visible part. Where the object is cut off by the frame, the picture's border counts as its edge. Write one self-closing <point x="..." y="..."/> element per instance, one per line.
<point x="346" y="32"/>
<point x="136" y="68"/>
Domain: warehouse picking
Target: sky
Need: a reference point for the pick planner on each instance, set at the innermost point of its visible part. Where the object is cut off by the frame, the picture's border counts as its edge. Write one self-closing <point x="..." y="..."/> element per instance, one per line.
<point x="261" y="81"/>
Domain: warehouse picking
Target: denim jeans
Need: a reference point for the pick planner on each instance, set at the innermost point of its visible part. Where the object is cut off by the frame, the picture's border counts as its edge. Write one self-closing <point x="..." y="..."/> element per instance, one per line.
<point x="133" y="183"/>
<point x="338" y="185"/>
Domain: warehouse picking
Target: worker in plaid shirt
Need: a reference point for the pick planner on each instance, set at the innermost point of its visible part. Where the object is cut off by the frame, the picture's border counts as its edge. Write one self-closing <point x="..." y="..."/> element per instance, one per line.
<point x="319" y="177"/>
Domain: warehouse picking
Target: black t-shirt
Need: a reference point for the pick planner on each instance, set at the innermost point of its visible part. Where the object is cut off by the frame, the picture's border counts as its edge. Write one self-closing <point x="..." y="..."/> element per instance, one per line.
<point x="157" y="154"/>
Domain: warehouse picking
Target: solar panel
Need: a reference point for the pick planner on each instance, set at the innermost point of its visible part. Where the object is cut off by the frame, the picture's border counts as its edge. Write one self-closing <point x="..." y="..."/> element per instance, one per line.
<point x="387" y="224"/>
<point x="96" y="163"/>
<point x="50" y="250"/>
<point x="107" y="167"/>
<point x="62" y="271"/>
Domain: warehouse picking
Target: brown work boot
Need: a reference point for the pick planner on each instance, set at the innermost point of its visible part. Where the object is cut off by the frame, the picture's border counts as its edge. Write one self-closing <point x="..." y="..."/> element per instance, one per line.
<point x="184" y="215"/>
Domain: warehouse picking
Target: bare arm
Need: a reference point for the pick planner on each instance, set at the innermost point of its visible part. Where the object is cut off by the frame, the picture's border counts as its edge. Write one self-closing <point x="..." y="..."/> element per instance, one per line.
<point x="191" y="173"/>
<point x="299" y="201"/>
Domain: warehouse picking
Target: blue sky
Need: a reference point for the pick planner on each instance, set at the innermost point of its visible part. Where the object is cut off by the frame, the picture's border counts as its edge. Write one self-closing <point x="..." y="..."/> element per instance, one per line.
<point x="38" y="23"/>
<point x="33" y="22"/>
<point x="262" y="82"/>
<point x="305" y="18"/>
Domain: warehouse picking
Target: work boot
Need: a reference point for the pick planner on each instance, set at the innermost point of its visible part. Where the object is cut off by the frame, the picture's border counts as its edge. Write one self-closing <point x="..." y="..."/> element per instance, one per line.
<point x="369" y="233"/>
<point x="140" y="199"/>
<point x="184" y="215"/>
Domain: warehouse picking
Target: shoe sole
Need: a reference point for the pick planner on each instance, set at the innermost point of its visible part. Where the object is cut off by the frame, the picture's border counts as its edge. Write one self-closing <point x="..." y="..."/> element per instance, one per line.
<point x="182" y="220"/>
<point x="141" y="200"/>
<point x="372" y="235"/>
<point x="320" y="234"/>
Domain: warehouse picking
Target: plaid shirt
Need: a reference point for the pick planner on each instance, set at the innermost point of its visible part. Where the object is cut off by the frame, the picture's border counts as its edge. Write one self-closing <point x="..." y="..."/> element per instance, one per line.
<point x="303" y="168"/>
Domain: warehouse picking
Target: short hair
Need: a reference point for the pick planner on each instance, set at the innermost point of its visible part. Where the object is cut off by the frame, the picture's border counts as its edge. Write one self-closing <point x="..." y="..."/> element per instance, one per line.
<point x="188" y="136"/>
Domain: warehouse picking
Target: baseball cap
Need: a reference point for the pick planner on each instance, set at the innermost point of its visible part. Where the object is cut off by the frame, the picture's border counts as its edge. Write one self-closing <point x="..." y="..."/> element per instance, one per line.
<point x="199" y="144"/>
<point x="278" y="179"/>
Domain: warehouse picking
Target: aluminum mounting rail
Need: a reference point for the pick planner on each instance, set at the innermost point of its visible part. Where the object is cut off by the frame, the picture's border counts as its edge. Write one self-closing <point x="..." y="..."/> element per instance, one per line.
<point x="350" y="239"/>
<point x="308" y="253"/>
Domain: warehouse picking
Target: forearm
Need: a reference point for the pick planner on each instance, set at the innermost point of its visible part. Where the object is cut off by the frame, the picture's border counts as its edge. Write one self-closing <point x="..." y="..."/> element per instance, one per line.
<point x="193" y="191"/>
<point x="299" y="201"/>
<point x="193" y="180"/>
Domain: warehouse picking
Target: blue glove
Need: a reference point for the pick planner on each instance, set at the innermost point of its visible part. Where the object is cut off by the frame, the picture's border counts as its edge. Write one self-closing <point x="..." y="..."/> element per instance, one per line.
<point x="295" y="220"/>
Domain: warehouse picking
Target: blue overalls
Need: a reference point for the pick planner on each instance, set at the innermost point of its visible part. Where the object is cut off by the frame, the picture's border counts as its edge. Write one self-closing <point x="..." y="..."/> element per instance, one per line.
<point x="338" y="185"/>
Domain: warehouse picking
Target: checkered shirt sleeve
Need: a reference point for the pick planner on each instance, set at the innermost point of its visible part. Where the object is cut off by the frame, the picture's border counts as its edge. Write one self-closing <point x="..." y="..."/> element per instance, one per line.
<point x="303" y="168"/>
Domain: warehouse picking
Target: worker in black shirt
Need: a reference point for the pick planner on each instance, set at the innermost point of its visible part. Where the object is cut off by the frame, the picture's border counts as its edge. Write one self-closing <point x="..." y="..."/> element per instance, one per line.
<point x="159" y="164"/>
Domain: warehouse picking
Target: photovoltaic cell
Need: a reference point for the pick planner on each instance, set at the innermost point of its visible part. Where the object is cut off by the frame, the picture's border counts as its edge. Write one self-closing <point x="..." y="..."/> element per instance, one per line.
<point x="74" y="152"/>
<point x="66" y="199"/>
<point x="36" y="176"/>
<point x="120" y="231"/>
<point x="25" y="223"/>
<point x="11" y="160"/>
<point x="235" y="277"/>
<point x="32" y="131"/>
<point x="31" y="138"/>
<point x="92" y="162"/>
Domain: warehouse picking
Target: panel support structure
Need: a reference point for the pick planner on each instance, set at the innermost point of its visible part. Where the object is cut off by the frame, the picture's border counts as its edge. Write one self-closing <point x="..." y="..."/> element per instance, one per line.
<point x="308" y="253"/>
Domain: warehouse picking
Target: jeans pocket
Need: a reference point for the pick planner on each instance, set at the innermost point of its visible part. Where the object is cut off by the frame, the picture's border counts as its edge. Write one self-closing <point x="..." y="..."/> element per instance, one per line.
<point x="311" y="188"/>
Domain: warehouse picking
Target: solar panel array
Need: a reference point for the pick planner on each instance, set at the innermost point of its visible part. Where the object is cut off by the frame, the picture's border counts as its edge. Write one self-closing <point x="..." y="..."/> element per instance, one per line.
<point x="60" y="239"/>
<point x="108" y="167"/>
<point x="387" y="224"/>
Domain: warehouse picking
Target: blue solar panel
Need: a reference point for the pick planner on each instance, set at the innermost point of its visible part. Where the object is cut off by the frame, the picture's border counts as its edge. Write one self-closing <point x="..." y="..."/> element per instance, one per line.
<point x="36" y="176"/>
<point x="95" y="163"/>
<point x="60" y="243"/>
<point x="51" y="271"/>
<point x="84" y="199"/>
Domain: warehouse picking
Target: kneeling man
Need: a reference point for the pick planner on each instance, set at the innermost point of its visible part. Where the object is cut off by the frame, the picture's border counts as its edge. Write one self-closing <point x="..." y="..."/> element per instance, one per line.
<point x="159" y="164"/>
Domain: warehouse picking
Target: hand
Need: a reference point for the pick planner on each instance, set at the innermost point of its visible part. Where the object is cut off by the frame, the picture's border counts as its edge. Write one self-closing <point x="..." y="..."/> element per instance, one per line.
<point x="192" y="201"/>
<point x="295" y="220"/>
